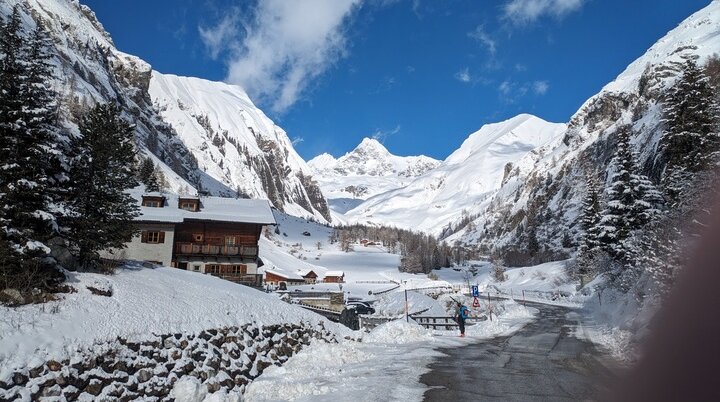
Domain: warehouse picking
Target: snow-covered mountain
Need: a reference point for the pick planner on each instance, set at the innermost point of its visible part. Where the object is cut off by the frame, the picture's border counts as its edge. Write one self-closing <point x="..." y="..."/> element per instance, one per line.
<point x="463" y="183"/>
<point x="544" y="193"/>
<point x="236" y="145"/>
<point x="367" y="170"/>
<point x="88" y="69"/>
<point x="527" y="173"/>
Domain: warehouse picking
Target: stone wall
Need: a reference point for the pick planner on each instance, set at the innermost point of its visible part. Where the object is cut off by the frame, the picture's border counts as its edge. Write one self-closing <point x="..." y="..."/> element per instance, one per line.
<point x="223" y="359"/>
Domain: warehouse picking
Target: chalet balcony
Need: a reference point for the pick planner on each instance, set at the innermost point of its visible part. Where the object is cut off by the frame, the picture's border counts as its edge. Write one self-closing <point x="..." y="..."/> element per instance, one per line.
<point x="205" y="249"/>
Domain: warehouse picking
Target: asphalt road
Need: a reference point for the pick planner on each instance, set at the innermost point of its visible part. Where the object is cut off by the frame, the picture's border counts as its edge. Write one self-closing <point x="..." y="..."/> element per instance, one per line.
<point x="541" y="362"/>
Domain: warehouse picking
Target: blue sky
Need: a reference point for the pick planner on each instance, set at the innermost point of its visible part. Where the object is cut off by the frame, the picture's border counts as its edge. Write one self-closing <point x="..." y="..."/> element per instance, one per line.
<point x="421" y="75"/>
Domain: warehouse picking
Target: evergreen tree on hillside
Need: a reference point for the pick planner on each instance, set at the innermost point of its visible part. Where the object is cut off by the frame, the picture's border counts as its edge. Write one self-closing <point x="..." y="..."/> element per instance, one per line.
<point x="101" y="169"/>
<point x="632" y="201"/>
<point x="691" y="141"/>
<point x="30" y="174"/>
<point x="149" y="175"/>
<point x="589" y="221"/>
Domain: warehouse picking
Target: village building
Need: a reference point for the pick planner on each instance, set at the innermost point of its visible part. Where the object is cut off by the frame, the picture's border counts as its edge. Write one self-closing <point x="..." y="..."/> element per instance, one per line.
<point x="334" y="277"/>
<point x="211" y="235"/>
<point x="276" y="277"/>
<point x="309" y="275"/>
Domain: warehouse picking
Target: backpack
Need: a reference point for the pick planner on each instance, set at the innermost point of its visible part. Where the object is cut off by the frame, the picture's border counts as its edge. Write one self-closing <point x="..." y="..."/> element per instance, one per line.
<point x="463" y="312"/>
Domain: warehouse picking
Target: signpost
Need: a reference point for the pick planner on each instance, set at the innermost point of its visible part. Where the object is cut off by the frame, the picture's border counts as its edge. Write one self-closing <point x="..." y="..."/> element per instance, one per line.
<point x="475" y="295"/>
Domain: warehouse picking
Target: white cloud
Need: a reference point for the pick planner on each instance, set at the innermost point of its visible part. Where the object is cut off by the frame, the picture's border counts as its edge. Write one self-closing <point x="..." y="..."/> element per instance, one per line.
<point x="216" y="38"/>
<point x="511" y="91"/>
<point x="286" y="44"/>
<point x="297" y="140"/>
<point x="522" y="12"/>
<point x="463" y="75"/>
<point x="484" y="38"/>
<point x="540" y="87"/>
<point x="506" y="88"/>
<point x="381" y="135"/>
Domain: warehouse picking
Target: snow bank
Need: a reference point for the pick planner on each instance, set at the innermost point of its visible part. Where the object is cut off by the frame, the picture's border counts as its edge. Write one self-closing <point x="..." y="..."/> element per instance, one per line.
<point x="144" y="302"/>
<point x="298" y="376"/>
<point x="398" y="332"/>
<point x="509" y="318"/>
<point x="191" y="389"/>
<point x="393" y="304"/>
<point x="349" y="371"/>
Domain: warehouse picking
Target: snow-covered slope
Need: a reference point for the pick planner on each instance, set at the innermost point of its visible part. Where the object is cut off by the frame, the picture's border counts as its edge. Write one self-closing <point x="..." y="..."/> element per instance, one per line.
<point x="547" y="193"/>
<point x="367" y="170"/>
<point x="236" y="144"/>
<point x="464" y="181"/>
<point x="199" y="133"/>
<point x="88" y="69"/>
<point x="144" y="302"/>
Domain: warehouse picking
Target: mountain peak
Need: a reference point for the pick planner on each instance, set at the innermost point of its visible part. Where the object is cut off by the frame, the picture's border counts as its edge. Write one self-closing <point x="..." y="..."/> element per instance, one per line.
<point x="371" y="144"/>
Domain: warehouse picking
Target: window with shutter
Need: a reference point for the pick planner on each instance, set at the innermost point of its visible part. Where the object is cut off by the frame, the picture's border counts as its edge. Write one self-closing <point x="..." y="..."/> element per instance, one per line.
<point x="144" y="236"/>
<point x="161" y="238"/>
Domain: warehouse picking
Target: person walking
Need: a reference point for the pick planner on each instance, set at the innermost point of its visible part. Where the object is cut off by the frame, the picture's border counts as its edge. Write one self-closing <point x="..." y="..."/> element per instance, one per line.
<point x="461" y="314"/>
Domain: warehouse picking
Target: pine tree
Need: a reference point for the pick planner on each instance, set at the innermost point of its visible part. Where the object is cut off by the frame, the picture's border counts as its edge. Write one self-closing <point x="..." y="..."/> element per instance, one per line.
<point x="148" y="174"/>
<point x="691" y="141"/>
<point x="632" y="201"/>
<point x="31" y="170"/>
<point x="589" y="221"/>
<point x="101" y="169"/>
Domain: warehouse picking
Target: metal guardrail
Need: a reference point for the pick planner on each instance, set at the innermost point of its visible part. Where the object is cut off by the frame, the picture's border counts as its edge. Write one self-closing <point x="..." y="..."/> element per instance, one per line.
<point x="386" y="291"/>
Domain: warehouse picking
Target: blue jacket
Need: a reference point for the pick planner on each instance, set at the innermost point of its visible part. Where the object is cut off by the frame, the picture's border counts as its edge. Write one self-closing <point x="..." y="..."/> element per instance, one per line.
<point x="463" y="312"/>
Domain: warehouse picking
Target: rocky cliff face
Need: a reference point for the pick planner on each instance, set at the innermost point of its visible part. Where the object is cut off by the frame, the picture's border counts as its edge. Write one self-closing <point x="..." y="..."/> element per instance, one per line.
<point x="238" y="148"/>
<point x="88" y="69"/>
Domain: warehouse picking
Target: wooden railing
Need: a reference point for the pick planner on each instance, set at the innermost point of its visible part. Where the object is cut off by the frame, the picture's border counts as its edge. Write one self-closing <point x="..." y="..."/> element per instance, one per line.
<point x="443" y="322"/>
<point x="245" y="279"/>
<point x="212" y="249"/>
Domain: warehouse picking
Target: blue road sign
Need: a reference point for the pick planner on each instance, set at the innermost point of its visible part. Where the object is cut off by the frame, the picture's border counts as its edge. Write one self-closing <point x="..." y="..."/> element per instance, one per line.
<point x="475" y="291"/>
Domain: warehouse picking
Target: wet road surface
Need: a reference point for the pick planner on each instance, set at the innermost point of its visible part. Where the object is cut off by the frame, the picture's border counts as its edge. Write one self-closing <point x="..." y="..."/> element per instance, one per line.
<point x="541" y="362"/>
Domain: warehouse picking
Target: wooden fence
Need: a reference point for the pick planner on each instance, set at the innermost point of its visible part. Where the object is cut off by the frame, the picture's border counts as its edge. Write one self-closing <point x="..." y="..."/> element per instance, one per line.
<point x="446" y="323"/>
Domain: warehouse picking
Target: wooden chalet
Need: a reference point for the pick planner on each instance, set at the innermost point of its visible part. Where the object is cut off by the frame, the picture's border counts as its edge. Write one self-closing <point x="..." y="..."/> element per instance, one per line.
<point x="277" y="277"/>
<point x="211" y="235"/>
<point x="334" y="277"/>
<point x="309" y="275"/>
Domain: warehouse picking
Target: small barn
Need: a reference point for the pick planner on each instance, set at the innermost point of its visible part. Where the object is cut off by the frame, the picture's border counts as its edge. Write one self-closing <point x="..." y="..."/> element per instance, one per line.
<point x="309" y="275"/>
<point x="334" y="277"/>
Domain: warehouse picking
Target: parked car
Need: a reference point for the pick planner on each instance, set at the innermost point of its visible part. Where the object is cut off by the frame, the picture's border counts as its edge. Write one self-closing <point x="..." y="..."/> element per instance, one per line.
<point x="360" y="307"/>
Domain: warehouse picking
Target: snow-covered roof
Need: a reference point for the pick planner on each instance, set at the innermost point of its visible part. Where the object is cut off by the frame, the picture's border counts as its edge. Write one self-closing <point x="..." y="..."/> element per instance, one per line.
<point x="305" y="272"/>
<point x="284" y="274"/>
<point x="334" y="273"/>
<point x="211" y="209"/>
